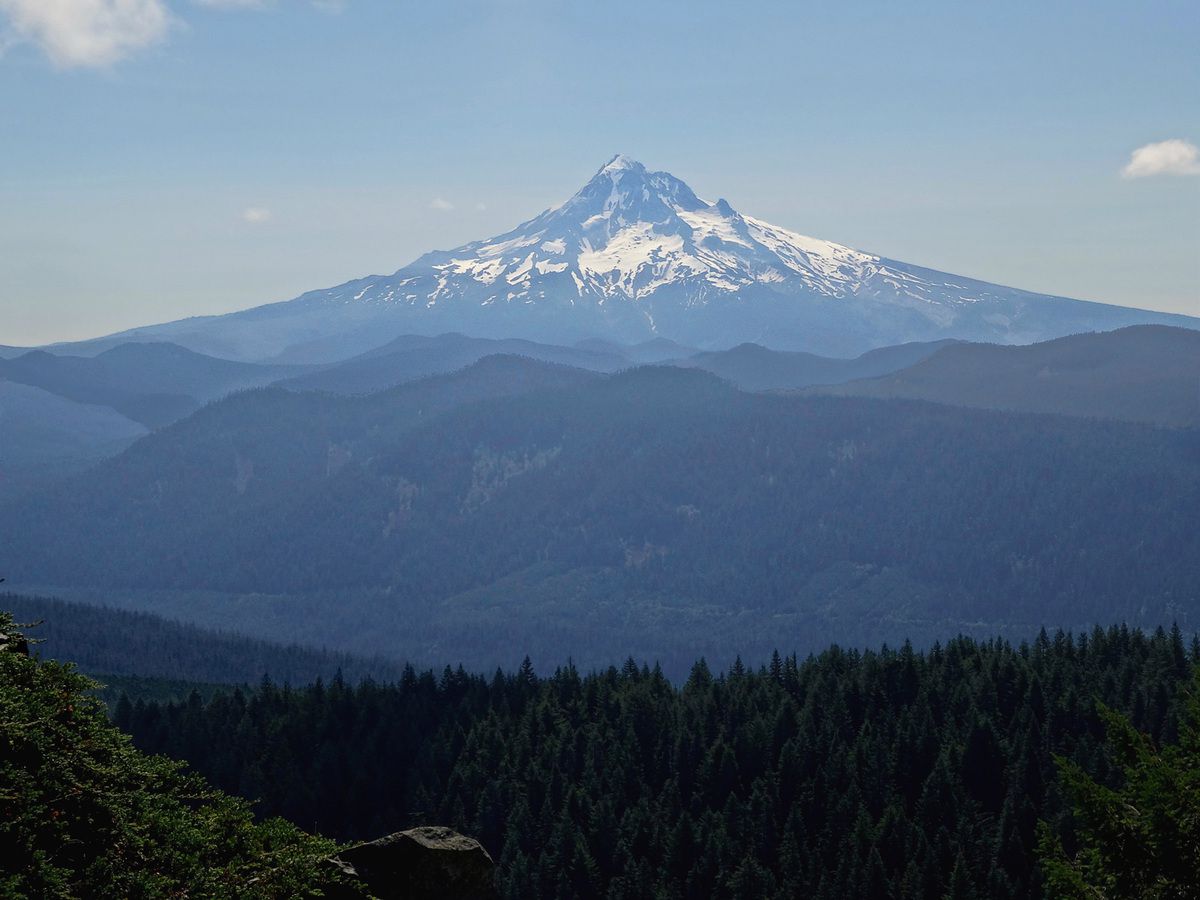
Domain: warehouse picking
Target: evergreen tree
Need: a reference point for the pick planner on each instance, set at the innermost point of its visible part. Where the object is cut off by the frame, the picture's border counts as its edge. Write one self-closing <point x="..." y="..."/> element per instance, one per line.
<point x="1141" y="839"/>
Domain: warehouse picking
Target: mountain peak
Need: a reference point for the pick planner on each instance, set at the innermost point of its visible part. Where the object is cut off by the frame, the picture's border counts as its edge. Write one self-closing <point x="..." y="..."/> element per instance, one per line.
<point x="626" y="234"/>
<point x="621" y="163"/>
<point x="722" y="206"/>
<point x="624" y="191"/>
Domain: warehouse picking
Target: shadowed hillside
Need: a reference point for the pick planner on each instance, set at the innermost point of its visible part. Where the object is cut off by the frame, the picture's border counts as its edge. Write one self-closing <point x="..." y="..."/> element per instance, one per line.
<point x="1146" y="373"/>
<point x="151" y="383"/>
<point x="657" y="512"/>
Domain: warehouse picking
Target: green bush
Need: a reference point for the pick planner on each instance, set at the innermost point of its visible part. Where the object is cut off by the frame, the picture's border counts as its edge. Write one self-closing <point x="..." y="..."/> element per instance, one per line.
<point x="85" y="814"/>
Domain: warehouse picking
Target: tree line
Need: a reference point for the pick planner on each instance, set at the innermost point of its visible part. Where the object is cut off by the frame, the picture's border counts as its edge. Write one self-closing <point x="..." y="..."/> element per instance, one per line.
<point x="883" y="774"/>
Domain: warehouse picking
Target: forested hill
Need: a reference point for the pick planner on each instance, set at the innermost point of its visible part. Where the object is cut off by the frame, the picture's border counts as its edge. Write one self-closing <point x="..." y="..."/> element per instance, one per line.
<point x="1144" y="373"/>
<point x="103" y="641"/>
<point x="892" y="774"/>
<point x="658" y="512"/>
<point x="84" y="815"/>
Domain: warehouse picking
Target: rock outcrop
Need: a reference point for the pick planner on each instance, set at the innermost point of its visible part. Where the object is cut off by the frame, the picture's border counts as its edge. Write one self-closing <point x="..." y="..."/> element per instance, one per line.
<point x="422" y="864"/>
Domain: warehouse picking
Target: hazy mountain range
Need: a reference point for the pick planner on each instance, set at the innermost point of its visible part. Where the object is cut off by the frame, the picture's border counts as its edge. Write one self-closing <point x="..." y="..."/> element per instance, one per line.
<point x="61" y="413"/>
<point x="657" y="511"/>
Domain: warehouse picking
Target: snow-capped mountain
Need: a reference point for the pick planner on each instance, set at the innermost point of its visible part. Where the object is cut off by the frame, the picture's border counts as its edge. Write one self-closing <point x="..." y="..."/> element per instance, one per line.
<point x="630" y="233"/>
<point x="624" y="236"/>
<point x="635" y="254"/>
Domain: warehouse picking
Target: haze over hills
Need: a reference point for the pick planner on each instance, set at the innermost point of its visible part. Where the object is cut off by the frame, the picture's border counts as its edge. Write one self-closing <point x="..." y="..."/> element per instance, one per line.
<point x="1143" y="373"/>
<point x="655" y="350"/>
<point x="635" y="255"/>
<point x="658" y="512"/>
<point x="410" y="357"/>
<point x="750" y="367"/>
<point x="151" y="383"/>
<point x="136" y="386"/>
<point x="44" y="437"/>
<point x="61" y="413"/>
<point x="1146" y="373"/>
<point x="753" y="367"/>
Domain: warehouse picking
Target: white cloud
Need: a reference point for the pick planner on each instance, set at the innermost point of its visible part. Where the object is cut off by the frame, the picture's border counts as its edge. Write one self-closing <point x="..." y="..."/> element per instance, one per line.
<point x="329" y="6"/>
<point x="87" y="32"/>
<point x="481" y="207"/>
<point x="439" y="203"/>
<point x="76" y="33"/>
<point x="1173" y="157"/>
<point x="256" y="215"/>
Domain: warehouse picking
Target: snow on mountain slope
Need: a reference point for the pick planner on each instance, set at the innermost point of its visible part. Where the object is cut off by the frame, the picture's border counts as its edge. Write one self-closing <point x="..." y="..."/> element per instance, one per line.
<point x="636" y="255"/>
<point x="629" y="233"/>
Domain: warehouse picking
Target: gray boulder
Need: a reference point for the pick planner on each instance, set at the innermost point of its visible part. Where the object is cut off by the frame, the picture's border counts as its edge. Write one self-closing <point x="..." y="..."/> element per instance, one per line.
<point x="422" y="864"/>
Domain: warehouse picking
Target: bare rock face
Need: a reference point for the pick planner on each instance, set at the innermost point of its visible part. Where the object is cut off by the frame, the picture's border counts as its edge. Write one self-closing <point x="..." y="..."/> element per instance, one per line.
<point x="422" y="864"/>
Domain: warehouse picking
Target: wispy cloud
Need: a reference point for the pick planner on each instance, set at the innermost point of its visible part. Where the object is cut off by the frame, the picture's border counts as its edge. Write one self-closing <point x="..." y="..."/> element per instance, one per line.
<point x="98" y="33"/>
<point x="481" y="207"/>
<point x="232" y="4"/>
<point x="441" y="204"/>
<point x="1173" y="157"/>
<point x="329" y="6"/>
<point x="256" y="215"/>
<point x="86" y="32"/>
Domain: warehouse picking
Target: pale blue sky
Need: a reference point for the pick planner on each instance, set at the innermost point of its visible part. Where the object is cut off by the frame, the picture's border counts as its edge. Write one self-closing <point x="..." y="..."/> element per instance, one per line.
<point x="981" y="139"/>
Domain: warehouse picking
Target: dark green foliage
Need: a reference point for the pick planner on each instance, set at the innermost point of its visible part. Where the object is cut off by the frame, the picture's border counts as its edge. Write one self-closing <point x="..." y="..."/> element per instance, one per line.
<point x="657" y="512"/>
<point x="110" y="642"/>
<point x="1139" y="840"/>
<point x="893" y="774"/>
<point x="84" y="814"/>
<point x="117" y="688"/>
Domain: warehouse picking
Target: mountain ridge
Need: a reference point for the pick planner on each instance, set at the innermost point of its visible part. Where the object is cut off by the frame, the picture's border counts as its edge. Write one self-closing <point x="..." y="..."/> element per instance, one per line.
<point x="657" y="512"/>
<point x="1143" y="373"/>
<point x="152" y="382"/>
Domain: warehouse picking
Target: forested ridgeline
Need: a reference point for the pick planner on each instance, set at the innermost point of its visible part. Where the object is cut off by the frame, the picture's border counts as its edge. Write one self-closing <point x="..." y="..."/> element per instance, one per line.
<point x="892" y="774"/>
<point x="1142" y="373"/>
<point x="107" y="642"/>
<point x="657" y="513"/>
